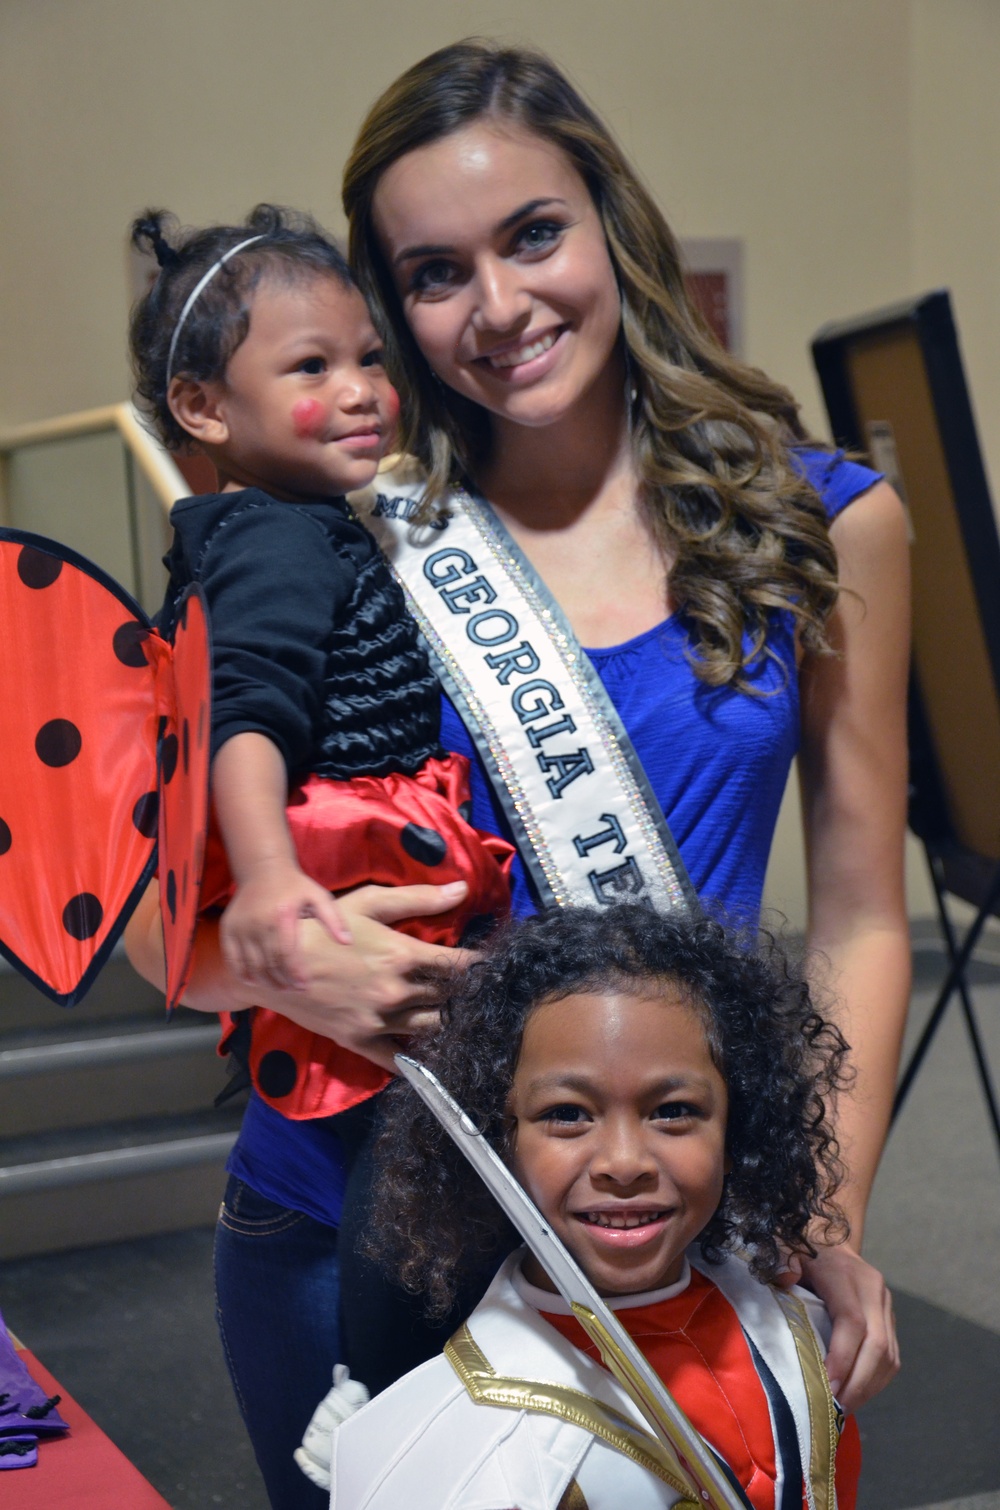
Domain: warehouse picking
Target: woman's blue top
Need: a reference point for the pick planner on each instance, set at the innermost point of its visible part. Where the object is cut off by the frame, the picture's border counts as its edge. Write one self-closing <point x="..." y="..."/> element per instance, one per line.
<point x="718" y="762"/>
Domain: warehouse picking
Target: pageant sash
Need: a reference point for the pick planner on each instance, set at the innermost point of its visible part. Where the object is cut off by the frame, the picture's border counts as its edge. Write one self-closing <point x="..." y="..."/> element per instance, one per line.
<point x="581" y="809"/>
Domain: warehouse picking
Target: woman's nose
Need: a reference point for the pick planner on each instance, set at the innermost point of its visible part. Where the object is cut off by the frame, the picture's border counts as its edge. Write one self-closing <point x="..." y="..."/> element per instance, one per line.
<point x="502" y="301"/>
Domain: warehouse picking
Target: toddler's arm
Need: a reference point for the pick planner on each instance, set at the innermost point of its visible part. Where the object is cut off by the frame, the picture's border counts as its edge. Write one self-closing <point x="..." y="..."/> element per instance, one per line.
<point x="260" y="926"/>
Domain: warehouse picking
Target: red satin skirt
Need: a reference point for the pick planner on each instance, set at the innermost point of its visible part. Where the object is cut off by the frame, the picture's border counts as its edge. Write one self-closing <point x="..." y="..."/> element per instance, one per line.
<point x="392" y="830"/>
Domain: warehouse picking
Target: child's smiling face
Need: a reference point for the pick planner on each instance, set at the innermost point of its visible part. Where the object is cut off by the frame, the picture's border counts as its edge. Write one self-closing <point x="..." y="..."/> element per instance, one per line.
<point x="620" y="1132"/>
<point x="305" y="409"/>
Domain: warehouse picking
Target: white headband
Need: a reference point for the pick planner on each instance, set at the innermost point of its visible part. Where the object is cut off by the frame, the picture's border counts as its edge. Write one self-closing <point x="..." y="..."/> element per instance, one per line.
<point x="202" y="283"/>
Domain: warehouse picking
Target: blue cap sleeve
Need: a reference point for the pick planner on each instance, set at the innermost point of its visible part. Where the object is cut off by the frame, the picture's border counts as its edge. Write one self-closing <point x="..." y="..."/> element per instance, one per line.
<point x="837" y="480"/>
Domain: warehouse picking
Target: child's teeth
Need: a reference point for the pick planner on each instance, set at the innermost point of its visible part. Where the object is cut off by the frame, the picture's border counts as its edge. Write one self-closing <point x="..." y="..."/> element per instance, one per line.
<point x="608" y="1219"/>
<point x="524" y="353"/>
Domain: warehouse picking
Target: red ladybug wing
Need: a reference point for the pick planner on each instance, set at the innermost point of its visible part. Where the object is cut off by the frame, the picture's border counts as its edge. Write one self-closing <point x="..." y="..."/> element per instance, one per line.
<point x="184" y="777"/>
<point x="78" y="724"/>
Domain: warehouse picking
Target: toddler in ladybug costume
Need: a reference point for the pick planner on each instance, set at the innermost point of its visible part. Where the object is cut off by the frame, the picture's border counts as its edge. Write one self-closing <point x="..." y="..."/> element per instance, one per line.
<point x="255" y="348"/>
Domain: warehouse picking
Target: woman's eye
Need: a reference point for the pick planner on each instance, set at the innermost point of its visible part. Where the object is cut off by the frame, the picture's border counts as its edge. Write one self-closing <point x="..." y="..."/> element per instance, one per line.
<point x="431" y="277"/>
<point x="312" y="366"/>
<point x="539" y="236"/>
<point x="374" y="358"/>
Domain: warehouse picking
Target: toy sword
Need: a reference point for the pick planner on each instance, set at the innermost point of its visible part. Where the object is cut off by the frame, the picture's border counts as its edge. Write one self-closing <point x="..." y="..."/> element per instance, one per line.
<point x="709" y="1485"/>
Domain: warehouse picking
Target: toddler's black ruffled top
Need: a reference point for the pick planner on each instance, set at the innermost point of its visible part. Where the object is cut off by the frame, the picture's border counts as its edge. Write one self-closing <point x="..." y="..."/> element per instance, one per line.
<point x="312" y="644"/>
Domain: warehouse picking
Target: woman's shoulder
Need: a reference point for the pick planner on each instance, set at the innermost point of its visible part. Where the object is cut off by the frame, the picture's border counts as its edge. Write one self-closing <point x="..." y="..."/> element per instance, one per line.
<point x="837" y="479"/>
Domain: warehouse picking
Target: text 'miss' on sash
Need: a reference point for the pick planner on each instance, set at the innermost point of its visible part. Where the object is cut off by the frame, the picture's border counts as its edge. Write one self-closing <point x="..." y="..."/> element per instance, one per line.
<point x="580" y="807"/>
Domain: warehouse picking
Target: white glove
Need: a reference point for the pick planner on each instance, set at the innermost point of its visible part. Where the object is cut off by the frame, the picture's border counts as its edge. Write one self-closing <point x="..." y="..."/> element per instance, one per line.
<point x="346" y="1396"/>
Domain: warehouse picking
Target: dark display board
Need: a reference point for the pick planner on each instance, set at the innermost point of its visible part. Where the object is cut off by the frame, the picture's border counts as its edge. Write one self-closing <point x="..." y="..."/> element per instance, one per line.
<point x="895" y="391"/>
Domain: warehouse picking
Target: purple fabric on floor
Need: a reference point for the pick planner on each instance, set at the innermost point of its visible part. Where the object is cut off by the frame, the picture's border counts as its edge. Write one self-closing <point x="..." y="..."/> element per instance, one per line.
<point x="25" y="1408"/>
<point x="18" y="1452"/>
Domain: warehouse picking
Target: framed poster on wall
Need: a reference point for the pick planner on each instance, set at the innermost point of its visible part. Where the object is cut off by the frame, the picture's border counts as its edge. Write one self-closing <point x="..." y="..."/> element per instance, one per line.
<point x="713" y="276"/>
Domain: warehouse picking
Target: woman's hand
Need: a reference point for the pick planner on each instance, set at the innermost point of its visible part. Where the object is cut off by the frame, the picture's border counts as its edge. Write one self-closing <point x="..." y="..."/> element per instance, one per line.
<point x="362" y="994"/>
<point x="260" y="927"/>
<point x="863" y="1356"/>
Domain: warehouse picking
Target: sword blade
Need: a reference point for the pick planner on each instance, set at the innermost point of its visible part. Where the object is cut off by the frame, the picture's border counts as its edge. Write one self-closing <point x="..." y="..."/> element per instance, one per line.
<point x="629" y="1366"/>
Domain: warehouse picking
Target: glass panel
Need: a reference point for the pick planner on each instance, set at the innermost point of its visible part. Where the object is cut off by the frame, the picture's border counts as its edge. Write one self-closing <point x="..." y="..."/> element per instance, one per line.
<point x="87" y="492"/>
<point x="75" y="491"/>
<point x="152" y="540"/>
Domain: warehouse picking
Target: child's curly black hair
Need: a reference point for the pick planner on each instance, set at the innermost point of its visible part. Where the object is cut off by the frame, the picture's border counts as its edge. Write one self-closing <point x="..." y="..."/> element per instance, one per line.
<point x="434" y="1220"/>
<point x="293" y="246"/>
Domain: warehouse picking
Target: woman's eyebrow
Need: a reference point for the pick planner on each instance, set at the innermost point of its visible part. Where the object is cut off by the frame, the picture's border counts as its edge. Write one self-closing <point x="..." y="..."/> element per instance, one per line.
<point x="527" y="209"/>
<point x="430" y="249"/>
<point x="410" y="252"/>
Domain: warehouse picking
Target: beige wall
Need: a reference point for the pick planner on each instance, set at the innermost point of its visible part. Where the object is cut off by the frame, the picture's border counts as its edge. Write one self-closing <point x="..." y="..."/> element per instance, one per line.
<point x="851" y="145"/>
<point x="781" y="121"/>
<point x="956" y="185"/>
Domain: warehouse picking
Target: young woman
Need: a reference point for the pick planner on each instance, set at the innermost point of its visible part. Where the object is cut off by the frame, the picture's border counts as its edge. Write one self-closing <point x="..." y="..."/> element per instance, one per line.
<point x="742" y="596"/>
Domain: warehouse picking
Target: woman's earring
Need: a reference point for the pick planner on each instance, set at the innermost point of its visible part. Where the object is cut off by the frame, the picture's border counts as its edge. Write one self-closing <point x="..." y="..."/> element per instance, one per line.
<point x="631" y="392"/>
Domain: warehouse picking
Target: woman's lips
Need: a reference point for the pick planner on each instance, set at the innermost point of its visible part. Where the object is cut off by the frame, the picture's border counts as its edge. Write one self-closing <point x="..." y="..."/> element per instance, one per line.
<point x="361" y="440"/>
<point x="526" y="361"/>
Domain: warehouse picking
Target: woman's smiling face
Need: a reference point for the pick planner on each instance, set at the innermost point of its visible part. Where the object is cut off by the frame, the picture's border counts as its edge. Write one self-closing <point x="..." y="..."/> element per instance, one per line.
<point x="499" y="258"/>
<point x="620" y="1132"/>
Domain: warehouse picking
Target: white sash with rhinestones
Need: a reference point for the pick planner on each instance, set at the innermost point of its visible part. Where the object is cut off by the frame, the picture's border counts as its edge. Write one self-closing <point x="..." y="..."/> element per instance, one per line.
<point x="581" y="809"/>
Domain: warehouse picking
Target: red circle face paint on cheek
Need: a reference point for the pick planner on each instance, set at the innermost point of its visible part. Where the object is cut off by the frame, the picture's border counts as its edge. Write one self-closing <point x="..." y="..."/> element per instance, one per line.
<point x="308" y="417"/>
<point x="391" y="405"/>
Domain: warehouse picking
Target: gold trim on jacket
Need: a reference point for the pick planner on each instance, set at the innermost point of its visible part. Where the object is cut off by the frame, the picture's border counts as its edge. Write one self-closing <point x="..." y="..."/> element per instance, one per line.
<point x="825" y="1420"/>
<point x="487" y="1387"/>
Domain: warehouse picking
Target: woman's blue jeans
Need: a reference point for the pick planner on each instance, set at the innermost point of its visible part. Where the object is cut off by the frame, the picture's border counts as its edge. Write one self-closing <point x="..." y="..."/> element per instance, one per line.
<point x="277" y="1283"/>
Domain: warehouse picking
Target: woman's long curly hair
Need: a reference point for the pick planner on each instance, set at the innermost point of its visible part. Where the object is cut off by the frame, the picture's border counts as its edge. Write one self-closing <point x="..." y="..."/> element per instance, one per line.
<point x="710" y="436"/>
<point x="433" y="1220"/>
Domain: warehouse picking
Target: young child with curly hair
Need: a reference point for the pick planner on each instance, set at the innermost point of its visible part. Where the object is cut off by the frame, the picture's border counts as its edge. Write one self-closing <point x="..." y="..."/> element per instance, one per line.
<point x="661" y="1089"/>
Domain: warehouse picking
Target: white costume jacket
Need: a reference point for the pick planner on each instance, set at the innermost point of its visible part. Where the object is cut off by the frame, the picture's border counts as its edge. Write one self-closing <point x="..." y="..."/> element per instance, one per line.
<point x="513" y="1417"/>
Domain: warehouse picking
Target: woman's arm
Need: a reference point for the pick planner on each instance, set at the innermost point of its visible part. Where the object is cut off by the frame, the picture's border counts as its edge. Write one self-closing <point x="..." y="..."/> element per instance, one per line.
<point x="852" y="770"/>
<point x="361" y="994"/>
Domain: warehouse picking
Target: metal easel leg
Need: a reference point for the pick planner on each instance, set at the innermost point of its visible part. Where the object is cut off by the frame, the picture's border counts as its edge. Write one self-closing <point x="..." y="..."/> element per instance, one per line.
<point x="959" y="957"/>
<point x="968" y="1011"/>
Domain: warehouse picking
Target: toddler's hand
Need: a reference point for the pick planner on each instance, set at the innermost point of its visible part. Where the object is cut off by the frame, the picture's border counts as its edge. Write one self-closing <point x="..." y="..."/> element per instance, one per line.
<point x="259" y="929"/>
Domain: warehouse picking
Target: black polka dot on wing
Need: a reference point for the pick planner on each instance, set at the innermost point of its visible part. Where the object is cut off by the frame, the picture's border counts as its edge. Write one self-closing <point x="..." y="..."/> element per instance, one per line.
<point x="465" y="811"/>
<point x="277" y="1073"/>
<point x="6" y="838"/>
<point x="145" y="814"/>
<point x="186" y="745"/>
<point x="37" y="568"/>
<point x="425" y="845"/>
<point x="82" y="915"/>
<point x="58" y="742"/>
<point x="172" y="895"/>
<point x="128" y="641"/>
<point x="168" y="758"/>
